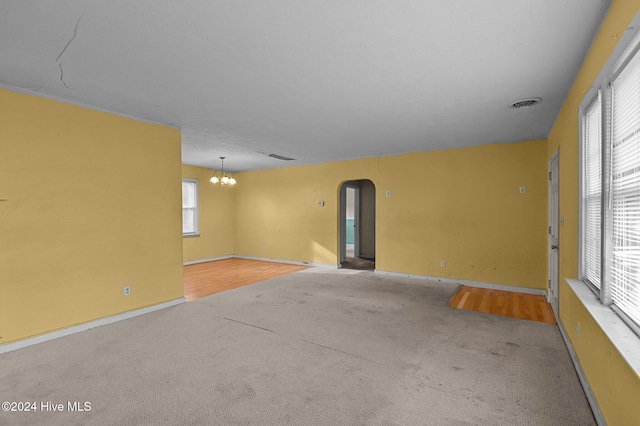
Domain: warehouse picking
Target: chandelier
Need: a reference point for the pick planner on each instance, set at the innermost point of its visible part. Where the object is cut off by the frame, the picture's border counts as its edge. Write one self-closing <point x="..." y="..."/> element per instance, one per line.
<point x="223" y="178"/>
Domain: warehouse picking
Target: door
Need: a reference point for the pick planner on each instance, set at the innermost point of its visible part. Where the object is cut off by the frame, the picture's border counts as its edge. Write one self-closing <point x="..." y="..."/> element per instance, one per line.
<point x="554" y="247"/>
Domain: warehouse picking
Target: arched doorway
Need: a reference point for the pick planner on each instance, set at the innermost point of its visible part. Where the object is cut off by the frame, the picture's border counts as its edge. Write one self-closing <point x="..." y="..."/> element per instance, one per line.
<point x="358" y="225"/>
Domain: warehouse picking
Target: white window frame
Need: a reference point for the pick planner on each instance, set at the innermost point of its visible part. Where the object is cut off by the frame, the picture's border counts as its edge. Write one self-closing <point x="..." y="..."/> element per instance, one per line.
<point x="590" y="265"/>
<point x="601" y="92"/>
<point x="195" y="208"/>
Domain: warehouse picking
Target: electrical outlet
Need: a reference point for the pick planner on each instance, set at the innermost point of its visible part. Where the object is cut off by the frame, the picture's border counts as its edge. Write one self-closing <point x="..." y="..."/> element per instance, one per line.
<point x="127" y="291"/>
<point x="443" y="263"/>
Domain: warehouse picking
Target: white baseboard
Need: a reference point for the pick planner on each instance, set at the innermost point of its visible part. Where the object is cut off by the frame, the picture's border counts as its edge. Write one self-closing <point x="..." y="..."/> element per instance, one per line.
<point x="467" y="283"/>
<point x="291" y="262"/>
<point x="210" y="259"/>
<point x="595" y="408"/>
<point x="265" y="259"/>
<point x="9" y="347"/>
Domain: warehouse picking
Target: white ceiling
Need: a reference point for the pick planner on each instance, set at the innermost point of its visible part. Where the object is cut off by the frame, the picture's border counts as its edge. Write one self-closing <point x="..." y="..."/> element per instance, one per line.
<point x="313" y="80"/>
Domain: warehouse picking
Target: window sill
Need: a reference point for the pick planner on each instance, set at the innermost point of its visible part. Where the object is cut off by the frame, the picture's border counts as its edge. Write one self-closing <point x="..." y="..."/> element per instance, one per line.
<point x="190" y="235"/>
<point x="622" y="337"/>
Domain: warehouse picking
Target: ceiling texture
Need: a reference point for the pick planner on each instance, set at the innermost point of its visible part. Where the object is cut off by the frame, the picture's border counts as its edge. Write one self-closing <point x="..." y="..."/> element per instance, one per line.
<point x="316" y="80"/>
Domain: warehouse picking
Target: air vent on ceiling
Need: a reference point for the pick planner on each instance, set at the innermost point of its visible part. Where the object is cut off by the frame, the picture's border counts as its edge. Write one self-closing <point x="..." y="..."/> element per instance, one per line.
<point x="526" y="103"/>
<point x="280" y="157"/>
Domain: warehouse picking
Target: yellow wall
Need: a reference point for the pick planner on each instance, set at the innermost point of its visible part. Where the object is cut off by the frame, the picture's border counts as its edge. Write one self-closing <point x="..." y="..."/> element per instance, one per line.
<point x="462" y="206"/>
<point x="277" y="212"/>
<point x="89" y="203"/>
<point x="217" y="218"/>
<point x="615" y="386"/>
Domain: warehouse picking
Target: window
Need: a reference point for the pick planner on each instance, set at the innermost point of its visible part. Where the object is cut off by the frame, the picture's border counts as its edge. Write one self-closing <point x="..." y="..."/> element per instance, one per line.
<point x="610" y="186"/>
<point x="625" y="188"/>
<point x="592" y="195"/>
<point x="189" y="207"/>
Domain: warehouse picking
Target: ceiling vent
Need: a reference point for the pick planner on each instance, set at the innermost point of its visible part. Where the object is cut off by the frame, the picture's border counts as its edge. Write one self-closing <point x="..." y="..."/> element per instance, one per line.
<point x="280" y="157"/>
<point x="525" y="103"/>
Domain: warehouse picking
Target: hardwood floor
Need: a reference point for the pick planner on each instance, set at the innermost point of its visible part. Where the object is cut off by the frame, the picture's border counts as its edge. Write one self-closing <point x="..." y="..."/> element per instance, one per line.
<point x="506" y="303"/>
<point x="204" y="279"/>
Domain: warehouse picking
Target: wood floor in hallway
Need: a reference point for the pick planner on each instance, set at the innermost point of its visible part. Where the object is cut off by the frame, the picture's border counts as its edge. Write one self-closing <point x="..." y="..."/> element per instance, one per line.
<point x="204" y="279"/>
<point x="533" y="307"/>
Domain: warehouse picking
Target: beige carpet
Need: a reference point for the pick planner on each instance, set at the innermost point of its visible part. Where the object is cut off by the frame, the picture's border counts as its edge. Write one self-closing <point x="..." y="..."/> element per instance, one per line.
<point x="315" y="347"/>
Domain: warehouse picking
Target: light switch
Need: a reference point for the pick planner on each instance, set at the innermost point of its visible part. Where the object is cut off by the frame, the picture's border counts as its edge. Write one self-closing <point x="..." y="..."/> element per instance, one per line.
<point x="388" y="194"/>
<point x="321" y="203"/>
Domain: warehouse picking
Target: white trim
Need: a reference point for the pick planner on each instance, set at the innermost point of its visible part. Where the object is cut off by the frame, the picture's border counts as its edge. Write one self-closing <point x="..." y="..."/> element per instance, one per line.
<point x="210" y="259"/>
<point x="196" y="208"/>
<point x="342" y="215"/>
<point x="9" y="347"/>
<point x="266" y="259"/>
<point x="292" y="262"/>
<point x="623" y="338"/>
<point x="595" y="408"/>
<point x="357" y="218"/>
<point x="526" y="290"/>
<point x="554" y="214"/>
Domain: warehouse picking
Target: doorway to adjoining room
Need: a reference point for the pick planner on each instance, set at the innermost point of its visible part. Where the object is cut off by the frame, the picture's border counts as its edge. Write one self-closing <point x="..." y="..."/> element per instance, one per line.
<point x="358" y="225"/>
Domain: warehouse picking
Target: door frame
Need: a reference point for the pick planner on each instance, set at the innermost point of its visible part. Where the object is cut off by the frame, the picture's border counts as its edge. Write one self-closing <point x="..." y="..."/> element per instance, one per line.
<point x="356" y="220"/>
<point x="553" y="245"/>
<point x="343" y="221"/>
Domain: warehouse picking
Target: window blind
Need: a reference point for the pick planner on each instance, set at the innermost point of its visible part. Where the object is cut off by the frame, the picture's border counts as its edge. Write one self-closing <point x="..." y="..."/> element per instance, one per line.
<point x="625" y="189"/>
<point x="592" y="188"/>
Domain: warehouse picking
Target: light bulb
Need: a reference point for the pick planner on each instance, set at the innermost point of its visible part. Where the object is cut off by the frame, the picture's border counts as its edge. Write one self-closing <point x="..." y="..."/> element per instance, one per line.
<point x="214" y="179"/>
<point x="232" y="181"/>
<point x="225" y="180"/>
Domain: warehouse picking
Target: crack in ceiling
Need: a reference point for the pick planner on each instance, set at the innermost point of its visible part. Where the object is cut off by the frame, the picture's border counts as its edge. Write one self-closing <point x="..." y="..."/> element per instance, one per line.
<point x="64" y="49"/>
